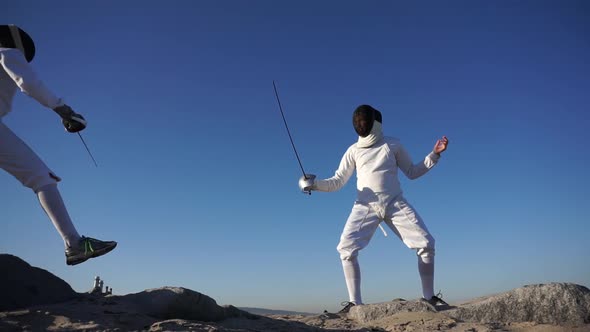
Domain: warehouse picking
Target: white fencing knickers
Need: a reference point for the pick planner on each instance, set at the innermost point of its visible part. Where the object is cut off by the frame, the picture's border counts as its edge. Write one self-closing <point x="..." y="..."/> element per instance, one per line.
<point x="17" y="158"/>
<point x="366" y="215"/>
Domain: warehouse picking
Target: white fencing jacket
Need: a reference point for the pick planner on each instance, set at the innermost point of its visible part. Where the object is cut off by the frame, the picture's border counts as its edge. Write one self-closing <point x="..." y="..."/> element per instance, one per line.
<point x="376" y="167"/>
<point x="15" y="73"/>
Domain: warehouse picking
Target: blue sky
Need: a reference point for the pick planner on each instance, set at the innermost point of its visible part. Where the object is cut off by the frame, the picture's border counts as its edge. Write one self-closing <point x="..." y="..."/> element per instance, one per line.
<point x="197" y="180"/>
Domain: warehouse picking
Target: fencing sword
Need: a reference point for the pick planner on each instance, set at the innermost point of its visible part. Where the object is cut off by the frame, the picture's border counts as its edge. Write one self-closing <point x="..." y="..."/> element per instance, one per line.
<point x="87" y="149"/>
<point x="289" y="132"/>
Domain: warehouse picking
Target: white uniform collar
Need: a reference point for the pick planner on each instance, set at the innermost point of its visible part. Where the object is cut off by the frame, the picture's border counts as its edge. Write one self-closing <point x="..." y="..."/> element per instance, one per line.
<point x="374" y="136"/>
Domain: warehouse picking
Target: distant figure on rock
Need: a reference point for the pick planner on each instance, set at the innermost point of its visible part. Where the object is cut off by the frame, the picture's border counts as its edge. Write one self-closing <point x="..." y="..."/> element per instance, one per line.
<point x="97" y="286"/>
<point x="16" y="51"/>
<point x="376" y="160"/>
<point x="96" y="282"/>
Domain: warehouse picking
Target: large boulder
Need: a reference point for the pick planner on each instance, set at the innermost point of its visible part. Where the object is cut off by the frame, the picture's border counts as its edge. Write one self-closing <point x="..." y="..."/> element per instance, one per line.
<point x="371" y="312"/>
<point x="180" y="303"/>
<point x="22" y="285"/>
<point x="553" y="303"/>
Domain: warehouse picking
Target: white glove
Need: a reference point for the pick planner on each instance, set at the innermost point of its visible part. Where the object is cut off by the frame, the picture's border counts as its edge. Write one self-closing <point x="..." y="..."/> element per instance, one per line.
<point x="307" y="183"/>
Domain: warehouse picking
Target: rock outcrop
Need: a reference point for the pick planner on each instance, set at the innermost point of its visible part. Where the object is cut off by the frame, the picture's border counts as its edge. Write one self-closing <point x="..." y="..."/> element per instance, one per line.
<point x="372" y="312"/>
<point x="179" y="303"/>
<point x="553" y="303"/>
<point x="22" y="285"/>
<point x="33" y="299"/>
<point x="563" y="304"/>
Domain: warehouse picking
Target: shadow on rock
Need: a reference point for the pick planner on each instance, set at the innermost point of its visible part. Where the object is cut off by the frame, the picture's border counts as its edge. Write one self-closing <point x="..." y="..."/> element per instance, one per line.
<point x="23" y="285"/>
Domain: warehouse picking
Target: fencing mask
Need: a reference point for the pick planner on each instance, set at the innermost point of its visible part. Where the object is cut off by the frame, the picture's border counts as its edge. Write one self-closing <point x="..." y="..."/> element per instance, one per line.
<point x="12" y="36"/>
<point x="363" y="118"/>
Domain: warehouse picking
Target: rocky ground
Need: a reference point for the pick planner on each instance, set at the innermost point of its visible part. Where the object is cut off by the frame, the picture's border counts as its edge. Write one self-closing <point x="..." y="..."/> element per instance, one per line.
<point x="102" y="315"/>
<point x="24" y="307"/>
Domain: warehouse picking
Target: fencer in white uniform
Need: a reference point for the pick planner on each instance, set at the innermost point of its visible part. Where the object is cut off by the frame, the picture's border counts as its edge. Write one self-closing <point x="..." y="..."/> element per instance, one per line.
<point x="17" y="158"/>
<point x="377" y="160"/>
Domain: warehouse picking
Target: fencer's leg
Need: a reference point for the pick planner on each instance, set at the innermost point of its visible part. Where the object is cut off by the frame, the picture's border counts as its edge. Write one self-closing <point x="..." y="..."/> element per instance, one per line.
<point x="358" y="231"/>
<point x="415" y="235"/>
<point x="52" y="203"/>
<point x="18" y="159"/>
<point x="426" y="270"/>
<point x="352" y="275"/>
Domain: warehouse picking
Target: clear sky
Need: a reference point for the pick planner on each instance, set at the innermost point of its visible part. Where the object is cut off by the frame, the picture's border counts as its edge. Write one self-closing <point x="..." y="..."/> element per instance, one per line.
<point x="197" y="180"/>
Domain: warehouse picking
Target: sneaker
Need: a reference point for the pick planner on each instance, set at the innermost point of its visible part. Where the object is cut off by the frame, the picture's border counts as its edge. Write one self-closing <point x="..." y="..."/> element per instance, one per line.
<point x="88" y="248"/>
<point x="436" y="300"/>
<point x="347" y="305"/>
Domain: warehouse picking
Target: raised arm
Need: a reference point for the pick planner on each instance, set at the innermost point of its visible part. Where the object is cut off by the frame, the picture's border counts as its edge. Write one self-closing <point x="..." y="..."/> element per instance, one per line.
<point x="414" y="171"/>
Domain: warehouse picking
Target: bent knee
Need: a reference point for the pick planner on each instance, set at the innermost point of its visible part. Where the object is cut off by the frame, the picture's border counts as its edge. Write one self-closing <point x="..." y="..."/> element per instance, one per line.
<point x="426" y="252"/>
<point x="347" y="253"/>
<point x="348" y="256"/>
<point x="36" y="181"/>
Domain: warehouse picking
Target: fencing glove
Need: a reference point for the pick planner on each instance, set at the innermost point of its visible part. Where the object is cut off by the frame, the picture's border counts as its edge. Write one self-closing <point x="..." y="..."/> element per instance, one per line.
<point x="307" y="183"/>
<point x="72" y="121"/>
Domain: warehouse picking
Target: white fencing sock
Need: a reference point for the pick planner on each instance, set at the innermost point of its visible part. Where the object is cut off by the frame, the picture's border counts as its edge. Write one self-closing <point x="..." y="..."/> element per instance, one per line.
<point x="352" y="275"/>
<point x="426" y="269"/>
<point x="51" y="201"/>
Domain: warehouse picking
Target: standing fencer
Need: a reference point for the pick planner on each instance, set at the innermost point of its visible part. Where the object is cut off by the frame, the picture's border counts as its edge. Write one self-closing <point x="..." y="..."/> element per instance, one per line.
<point x="16" y="51"/>
<point x="376" y="160"/>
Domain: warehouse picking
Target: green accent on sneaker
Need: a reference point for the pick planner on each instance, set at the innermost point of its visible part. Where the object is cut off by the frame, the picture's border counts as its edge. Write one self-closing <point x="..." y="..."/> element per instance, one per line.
<point x="88" y="248"/>
<point x="87" y="245"/>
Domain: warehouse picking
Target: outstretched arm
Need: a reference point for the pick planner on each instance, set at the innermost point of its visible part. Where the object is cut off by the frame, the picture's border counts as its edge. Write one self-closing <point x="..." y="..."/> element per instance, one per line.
<point x="21" y="72"/>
